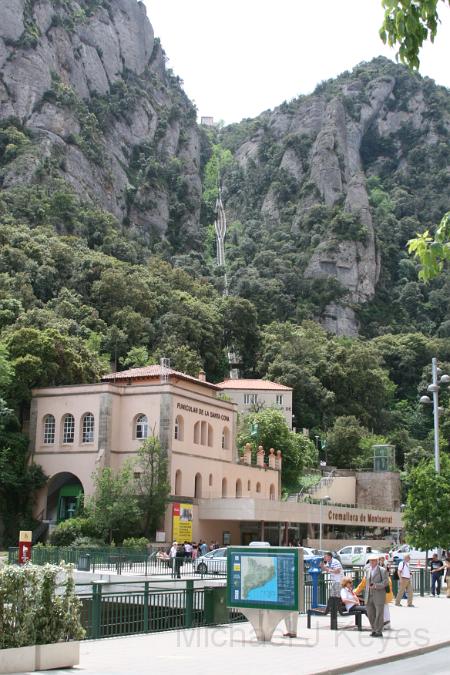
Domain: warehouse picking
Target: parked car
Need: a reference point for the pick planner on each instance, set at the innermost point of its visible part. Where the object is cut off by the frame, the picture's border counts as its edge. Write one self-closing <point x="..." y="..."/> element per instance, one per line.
<point x="416" y="555"/>
<point x="213" y="562"/>
<point x="321" y="553"/>
<point x="357" y="555"/>
<point x="259" y="544"/>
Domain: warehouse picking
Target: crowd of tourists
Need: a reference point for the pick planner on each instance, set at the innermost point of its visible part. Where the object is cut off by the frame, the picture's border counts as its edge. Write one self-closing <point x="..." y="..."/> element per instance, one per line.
<point x="374" y="593"/>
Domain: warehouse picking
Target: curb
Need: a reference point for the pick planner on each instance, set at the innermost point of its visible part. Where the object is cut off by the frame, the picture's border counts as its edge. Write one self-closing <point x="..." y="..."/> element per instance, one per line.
<point x="342" y="670"/>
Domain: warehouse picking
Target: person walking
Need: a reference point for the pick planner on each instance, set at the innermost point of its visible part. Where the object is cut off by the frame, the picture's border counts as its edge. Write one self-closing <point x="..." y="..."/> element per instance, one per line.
<point x="405" y="585"/>
<point x="437" y="568"/>
<point x="377" y="582"/>
<point x="179" y="559"/>
<point x="172" y="556"/>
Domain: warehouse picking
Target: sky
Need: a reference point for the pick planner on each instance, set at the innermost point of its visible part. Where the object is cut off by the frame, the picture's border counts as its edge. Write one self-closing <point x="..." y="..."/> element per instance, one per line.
<point x="238" y="58"/>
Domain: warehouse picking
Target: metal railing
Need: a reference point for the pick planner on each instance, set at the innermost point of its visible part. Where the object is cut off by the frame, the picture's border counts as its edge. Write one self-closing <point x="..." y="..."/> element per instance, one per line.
<point x="123" y="561"/>
<point x="128" y="608"/>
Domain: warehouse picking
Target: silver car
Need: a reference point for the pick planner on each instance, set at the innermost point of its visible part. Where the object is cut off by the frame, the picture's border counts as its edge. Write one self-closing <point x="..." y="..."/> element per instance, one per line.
<point x="213" y="562"/>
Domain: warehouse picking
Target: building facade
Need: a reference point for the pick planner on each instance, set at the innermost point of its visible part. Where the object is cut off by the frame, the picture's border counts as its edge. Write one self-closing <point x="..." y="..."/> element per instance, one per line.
<point x="77" y="429"/>
<point x="215" y="492"/>
<point x="254" y="395"/>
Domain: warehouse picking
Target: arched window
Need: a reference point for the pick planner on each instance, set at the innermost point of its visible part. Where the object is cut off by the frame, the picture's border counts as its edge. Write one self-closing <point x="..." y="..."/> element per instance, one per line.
<point x="197" y="432"/>
<point x="179" y="428"/>
<point x="224" y="487"/>
<point x="225" y="438"/>
<point x="68" y="429"/>
<point x="272" y="491"/>
<point x="210" y="480"/>
<point x="258" y="487"/>
<point x="210" y="436"/>
<point x="141" y="427"/>
<point x="204" y="436"/>
<point x="198" y="485"/>
<point x="178" y="482"/>
<point x="238" y="488"/>
<point x="249" y="486"/>
<point x="49" y="429"/>
<point x="87" y="428"/>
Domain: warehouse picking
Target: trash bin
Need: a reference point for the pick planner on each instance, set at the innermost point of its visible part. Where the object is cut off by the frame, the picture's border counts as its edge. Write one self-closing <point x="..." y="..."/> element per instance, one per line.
<point x="84" y="562"/>
<point x="216" y="610"/>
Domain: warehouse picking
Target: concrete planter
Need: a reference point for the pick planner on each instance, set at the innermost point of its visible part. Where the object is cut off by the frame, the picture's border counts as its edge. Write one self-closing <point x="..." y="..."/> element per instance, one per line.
<point x="57" y="655"/>
<point x="18" y="659"/>
<point x="40" y="657"/>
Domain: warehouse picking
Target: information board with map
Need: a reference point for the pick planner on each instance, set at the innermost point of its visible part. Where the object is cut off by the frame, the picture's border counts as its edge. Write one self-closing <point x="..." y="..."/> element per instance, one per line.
<point x="263" y="578"/>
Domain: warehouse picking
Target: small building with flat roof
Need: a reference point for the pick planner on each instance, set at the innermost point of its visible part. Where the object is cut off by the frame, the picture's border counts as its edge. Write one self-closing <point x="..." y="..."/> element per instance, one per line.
<point x="254" y="395"/>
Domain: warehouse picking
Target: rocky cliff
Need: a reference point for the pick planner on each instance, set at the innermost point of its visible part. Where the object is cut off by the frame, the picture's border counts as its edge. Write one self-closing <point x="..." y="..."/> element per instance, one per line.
<point x="85" y="83"/>
<point x="316" y="169"/>
<point x="98" y="139"/>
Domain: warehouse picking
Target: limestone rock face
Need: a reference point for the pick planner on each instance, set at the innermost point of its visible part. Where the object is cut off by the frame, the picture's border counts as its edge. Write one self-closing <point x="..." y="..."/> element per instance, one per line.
<point x="88" y="83"/>
<point x="319" y="140"/>
<point x="11" y="25"/>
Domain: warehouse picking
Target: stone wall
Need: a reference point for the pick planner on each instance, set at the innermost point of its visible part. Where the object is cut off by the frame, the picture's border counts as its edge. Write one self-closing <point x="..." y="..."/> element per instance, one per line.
<point x="380" y="490"/>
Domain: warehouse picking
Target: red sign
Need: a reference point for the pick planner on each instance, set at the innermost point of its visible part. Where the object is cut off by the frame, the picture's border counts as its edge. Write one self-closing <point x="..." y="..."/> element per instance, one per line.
<point x="25" y="539"/>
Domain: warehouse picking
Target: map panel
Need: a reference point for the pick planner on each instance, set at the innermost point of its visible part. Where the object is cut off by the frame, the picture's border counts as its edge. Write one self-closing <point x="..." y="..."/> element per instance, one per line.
<point x="264" y="578"/>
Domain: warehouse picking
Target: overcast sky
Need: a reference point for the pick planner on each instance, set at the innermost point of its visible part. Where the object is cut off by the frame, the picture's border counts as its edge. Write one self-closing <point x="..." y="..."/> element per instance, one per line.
<point x="240" y="57"/>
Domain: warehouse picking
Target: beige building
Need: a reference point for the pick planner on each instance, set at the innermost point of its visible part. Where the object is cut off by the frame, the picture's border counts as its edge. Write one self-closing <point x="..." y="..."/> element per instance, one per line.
<point x="254" y="395"/>
<point x="215" y="493"/>
<point x="76" y="429"/>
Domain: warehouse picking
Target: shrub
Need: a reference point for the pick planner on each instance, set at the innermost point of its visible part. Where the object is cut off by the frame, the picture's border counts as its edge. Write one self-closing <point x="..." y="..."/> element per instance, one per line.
<point x="72" y="529"/>
<point x="33" y="610"/>
<point x="135" y="542"/>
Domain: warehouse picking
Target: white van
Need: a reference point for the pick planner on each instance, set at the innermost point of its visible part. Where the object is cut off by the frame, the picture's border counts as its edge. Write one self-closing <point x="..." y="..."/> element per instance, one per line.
<point x="259" y="544"/>
<point x="357" y="555"/>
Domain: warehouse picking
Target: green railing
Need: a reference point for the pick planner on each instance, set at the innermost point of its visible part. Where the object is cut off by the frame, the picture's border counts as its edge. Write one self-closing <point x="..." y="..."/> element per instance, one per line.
<point x="118" y="561"/>
<point x="127" y="608"/>
<point x="70" y="554"/>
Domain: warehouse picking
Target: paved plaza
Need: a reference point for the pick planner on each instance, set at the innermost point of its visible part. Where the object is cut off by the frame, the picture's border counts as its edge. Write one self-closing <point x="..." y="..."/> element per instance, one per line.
<point x="233" y="650"/>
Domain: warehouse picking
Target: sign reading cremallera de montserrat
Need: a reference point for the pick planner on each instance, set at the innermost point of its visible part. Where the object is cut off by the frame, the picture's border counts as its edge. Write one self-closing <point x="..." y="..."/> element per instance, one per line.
<point x="212" y="414"/>
<point x="357" y="517"/>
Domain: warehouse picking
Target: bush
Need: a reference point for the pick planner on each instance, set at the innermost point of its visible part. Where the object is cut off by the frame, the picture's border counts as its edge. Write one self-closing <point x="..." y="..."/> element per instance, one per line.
<point x="135" y="542"/>
<point x="72" y="529"/>
<point x="32" y="608"/>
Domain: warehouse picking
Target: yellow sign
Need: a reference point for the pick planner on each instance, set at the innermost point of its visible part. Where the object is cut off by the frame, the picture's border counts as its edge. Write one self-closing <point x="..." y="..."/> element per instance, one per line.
<point x="25" y="536"/>
<point x="182" y="522"/>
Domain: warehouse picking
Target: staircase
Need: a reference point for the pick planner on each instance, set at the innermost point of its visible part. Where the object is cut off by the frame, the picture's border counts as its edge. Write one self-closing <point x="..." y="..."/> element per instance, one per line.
<point x="325" y="481"/>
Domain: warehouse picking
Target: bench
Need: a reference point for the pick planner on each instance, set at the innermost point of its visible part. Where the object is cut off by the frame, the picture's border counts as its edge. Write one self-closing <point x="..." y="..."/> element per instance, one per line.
<point x="334" y="607"/>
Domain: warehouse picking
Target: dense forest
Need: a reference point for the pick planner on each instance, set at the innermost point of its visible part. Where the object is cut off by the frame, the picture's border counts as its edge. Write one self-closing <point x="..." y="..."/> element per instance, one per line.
<point x="107" y="251"/>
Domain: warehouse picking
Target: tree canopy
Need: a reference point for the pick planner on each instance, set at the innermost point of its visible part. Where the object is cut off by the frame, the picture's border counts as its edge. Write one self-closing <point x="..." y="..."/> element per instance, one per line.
<point x="408" y="24"/>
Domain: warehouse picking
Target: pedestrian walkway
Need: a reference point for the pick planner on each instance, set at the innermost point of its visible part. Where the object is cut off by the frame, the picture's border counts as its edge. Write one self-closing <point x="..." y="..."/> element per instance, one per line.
<point x="233" y="649"/>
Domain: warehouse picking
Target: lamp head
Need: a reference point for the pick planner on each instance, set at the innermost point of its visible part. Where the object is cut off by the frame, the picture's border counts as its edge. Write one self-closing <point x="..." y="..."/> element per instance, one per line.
<point x="424" y="400"/>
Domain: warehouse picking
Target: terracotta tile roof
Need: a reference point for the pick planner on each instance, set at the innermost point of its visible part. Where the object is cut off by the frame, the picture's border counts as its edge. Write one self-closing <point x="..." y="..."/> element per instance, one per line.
<point x="153" y="372"/>
<point x="253" y="384"/>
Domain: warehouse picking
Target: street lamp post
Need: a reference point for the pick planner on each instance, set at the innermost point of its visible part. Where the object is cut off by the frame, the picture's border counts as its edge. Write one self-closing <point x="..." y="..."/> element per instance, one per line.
<point x="437" y="379"/>
<point x="322" y="500"/>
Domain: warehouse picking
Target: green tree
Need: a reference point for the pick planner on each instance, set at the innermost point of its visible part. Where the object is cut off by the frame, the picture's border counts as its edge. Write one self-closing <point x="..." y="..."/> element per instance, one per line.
<point x="114" y="505"/>
<point x="432" y="252"/>
<point x="426" y="513"/>
<point x="47" y="357"/>
<point x="269" y="429"/>
<point x="19" y="479"/>
<point x="152" y="483"/>
<point x="344" y="440"/>
<point x="408" y="24"/>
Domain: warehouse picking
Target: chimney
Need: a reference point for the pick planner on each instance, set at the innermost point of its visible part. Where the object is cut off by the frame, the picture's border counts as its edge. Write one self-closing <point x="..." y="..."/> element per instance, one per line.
<point x="202" y="376"/>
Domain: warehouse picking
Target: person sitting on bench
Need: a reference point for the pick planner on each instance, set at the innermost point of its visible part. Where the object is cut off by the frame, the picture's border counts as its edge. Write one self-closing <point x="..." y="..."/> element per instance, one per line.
<point x="349" y="598"/>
